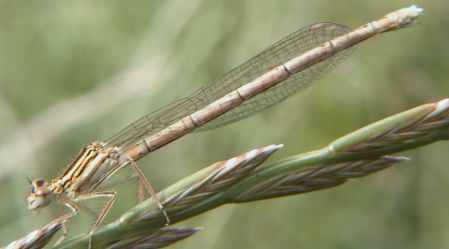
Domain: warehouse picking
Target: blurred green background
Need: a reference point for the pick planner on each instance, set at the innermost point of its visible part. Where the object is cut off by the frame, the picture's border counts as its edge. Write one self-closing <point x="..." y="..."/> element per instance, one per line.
<point x="76" y="71"/>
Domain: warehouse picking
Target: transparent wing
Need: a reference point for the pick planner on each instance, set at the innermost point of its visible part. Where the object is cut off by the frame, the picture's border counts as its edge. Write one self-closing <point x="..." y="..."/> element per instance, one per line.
<point x="287" y="48"/>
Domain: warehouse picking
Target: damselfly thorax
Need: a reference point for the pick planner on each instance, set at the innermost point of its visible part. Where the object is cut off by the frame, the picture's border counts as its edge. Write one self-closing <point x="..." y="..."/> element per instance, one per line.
<point x="87" y="171"/>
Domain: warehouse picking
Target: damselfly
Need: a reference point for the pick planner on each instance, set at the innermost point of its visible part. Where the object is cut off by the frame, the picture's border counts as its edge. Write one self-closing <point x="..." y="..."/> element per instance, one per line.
<point x="278" y="72"/>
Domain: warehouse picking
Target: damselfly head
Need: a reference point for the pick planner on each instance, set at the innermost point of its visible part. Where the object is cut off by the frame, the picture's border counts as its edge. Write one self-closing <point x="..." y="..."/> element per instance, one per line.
<point x="39" y="196"/>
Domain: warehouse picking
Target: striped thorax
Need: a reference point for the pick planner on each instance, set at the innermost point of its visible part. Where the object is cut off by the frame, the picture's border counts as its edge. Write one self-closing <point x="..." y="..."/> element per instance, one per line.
<point x="83" y="174"/>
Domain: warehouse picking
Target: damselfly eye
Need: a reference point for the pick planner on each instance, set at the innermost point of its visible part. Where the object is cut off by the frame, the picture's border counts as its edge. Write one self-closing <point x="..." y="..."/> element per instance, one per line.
<point x="33" y="189"/>
<point x="40" y="182"/>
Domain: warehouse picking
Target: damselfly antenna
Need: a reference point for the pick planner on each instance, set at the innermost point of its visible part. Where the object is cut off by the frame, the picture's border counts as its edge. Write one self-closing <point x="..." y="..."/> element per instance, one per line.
<point x="29" y="180"/>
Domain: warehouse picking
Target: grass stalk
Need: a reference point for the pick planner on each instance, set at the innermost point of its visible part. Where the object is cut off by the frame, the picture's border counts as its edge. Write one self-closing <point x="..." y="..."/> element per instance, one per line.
<point x="244" y="178"/>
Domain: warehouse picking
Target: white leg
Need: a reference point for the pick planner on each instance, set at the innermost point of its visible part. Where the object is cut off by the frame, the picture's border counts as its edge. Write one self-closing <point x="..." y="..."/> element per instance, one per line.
<point x="107" y="194"/>
<point x="75" y="210"/>
<point x="143" y="181"/>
